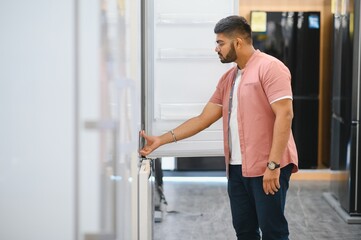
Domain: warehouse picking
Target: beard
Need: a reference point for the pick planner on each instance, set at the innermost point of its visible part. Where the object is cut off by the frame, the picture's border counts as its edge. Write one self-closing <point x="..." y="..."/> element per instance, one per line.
<point x="230" y="57"/>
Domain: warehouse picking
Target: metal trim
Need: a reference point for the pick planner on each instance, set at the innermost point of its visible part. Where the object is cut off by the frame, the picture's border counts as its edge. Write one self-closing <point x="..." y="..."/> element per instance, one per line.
<point x="76" y="118"/>
<point x="147" y="74"/>
<point x="357" y="79"/>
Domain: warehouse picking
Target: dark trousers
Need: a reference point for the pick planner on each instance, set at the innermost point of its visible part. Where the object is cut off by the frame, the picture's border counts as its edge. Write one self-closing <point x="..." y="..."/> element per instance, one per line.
<point x="252" y="209"/>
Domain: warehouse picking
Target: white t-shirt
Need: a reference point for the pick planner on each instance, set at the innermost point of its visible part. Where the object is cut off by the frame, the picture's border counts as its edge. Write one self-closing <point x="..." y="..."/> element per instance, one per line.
<point x="234" y="144"/>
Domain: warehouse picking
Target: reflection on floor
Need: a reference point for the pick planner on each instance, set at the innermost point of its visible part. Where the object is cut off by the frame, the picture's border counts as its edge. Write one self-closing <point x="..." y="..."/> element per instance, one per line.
<point x="200" y="211"/>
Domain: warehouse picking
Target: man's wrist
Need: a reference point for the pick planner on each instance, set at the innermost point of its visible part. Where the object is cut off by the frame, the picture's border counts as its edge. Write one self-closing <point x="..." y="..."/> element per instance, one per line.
<point x="272" y="165"/>
<point x="173" y="136"/>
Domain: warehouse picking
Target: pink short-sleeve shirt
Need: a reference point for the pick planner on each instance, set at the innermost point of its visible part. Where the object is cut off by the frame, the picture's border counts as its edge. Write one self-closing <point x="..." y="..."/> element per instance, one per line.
<point x="264" y="80"/>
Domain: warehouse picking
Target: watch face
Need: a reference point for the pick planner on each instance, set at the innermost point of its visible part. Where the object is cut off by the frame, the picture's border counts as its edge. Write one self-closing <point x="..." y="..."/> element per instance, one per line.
<point x="271" y="165"/>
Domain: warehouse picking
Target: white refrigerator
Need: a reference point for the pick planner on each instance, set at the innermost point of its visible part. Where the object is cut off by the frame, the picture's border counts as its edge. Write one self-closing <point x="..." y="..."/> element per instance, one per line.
<point x="180" y="71"/>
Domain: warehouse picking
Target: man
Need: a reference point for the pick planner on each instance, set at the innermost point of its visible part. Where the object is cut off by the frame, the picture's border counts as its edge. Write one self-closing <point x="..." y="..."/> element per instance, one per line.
<point x="255" y="100"/>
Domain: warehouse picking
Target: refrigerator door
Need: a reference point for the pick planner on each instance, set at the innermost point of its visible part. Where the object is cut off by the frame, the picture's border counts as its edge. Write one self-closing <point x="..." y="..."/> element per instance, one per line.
<point x="117" y="122"/>
<point x="352" y="200"/>
<point x="182" y="70"/>
<point x="349" y="186"/>
<point x="305" y="85"/>
<point x="336" y="120"/>
<point x="342" y="107"/>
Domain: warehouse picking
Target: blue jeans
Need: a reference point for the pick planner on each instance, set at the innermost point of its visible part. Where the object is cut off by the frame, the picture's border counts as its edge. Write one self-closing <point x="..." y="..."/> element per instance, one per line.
<point x="252" y="209"/>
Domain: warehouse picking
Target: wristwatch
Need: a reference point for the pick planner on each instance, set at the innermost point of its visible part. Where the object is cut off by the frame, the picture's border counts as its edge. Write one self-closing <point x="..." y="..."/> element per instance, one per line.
<point x="272" y="165"/>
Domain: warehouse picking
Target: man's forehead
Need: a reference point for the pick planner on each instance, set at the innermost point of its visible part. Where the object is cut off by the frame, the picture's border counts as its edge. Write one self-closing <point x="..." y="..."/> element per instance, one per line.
<point x="220" y="37"/>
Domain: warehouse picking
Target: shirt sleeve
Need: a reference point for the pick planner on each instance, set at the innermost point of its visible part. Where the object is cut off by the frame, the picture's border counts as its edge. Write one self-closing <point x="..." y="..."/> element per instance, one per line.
<point x="276" y="81"/>
<point x="284" y="97"/>
<point x="216" y="98"/>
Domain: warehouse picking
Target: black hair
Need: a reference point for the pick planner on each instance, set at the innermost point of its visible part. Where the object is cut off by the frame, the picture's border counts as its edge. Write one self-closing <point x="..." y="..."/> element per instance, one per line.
<point x="234" y="25"/>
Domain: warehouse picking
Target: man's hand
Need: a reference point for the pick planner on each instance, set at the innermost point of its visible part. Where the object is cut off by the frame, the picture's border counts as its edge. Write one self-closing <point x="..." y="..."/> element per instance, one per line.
<point x="152" y="143"/>
<point x="271" y="181"/>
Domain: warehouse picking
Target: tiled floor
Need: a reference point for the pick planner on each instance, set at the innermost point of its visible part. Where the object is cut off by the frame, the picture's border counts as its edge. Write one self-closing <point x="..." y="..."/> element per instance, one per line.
<point x="200" y="211"/>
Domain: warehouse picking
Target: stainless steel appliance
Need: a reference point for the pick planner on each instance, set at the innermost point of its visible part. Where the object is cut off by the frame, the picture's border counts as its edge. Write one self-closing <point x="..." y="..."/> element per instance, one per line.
<point x="345" y="131"/>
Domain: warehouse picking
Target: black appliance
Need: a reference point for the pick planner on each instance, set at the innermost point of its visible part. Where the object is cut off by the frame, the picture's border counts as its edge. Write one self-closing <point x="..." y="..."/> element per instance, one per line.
<point x="294" y="38"/>
<point x="345" y="126"/>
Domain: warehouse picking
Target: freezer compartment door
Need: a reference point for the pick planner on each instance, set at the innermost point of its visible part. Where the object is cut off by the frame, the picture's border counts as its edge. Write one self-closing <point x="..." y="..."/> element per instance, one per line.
<point x="145" y="201"/>
<point x="349" y="186"/>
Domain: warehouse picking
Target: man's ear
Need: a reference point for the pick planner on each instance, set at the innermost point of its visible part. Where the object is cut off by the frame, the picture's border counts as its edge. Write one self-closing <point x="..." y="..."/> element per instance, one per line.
<point x="239" y="41"/>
